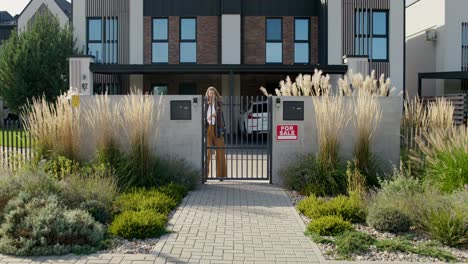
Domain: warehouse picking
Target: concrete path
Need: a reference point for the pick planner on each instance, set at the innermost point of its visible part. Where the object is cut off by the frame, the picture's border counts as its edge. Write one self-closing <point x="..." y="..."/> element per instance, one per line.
<point x="221" y="222"/>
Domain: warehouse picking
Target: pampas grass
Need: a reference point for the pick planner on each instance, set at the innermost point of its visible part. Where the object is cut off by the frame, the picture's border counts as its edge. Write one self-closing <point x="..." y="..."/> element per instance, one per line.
<point x="352" y="83"/>
<point x="366" y="118"/>
<point x="55" y="127"/>
<point x="440" y="114"/>
<point x="331" y="116"/>
<point x="304" y="85"/>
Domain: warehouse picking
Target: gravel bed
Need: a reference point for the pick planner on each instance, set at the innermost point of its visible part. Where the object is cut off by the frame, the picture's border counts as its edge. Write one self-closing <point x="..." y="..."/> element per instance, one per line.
<point x="328" y="250"/>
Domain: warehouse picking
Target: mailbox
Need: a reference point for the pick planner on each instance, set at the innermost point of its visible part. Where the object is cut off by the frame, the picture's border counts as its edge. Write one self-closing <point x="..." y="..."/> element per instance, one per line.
<point x="293" y="110"/>
<point x="181" y="110"/>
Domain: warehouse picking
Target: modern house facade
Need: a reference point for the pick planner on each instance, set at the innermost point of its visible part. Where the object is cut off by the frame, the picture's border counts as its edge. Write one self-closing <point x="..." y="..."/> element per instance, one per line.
<point x="185" y="46"/>
<point x="7" y="24"/>
<point x="61" y="9"/>
<point x="437" y="47"/>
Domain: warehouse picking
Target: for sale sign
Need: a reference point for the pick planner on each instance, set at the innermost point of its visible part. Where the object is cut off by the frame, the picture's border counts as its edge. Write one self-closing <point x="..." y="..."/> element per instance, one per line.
<point x="287" y="132"/>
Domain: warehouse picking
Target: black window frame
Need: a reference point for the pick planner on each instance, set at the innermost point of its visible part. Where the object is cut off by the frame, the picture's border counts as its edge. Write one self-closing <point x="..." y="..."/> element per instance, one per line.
<point x="187" y="40"/>
<point x="104" y="40"/>
<point x="159" y="84"/>
<point x="153" y="40"/>
<point x="308" y="41"/>
<point x="194" y="84"/>
<point x="273" y="41"/>
<point x="370" y="36"/>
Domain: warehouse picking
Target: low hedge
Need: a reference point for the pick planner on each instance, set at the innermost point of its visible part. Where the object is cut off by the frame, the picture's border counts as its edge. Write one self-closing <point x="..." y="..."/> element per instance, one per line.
<point x="138" y="224"/>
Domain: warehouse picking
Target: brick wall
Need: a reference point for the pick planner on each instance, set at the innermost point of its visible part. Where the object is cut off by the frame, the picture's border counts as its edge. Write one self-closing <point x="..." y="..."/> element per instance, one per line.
<point x="314" y="47"/>
<point x="174" y="38"/>
<point x="147" y="40"/>
<point x="254" y="40"/>
<point x="208" y="40"/>
<point x="288" y="40"/>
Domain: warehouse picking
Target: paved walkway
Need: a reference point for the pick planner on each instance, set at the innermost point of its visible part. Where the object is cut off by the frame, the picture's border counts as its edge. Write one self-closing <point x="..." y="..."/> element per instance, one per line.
<point x="221" y="222"/>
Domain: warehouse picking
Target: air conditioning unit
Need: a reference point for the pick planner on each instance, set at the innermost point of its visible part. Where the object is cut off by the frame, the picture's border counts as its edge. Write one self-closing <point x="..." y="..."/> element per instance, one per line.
<point x="431" y="35"/>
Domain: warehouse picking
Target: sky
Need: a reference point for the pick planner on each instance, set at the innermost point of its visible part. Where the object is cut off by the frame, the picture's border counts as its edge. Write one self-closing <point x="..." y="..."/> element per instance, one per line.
<point x="16" y="6"/>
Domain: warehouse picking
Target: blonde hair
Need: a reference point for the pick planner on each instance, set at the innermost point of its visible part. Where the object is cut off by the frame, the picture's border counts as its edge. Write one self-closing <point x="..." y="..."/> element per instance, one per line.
<point x="217" y="95"/>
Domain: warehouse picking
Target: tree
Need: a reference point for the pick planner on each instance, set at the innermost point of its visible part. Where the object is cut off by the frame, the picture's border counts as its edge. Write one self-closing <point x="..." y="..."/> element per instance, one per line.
<point x="34" y="63"/>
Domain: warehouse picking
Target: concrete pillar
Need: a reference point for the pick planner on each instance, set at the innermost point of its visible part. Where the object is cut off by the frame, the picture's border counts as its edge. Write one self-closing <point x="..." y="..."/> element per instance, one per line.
<point x="81" y="78"/>
<point x="335" y="37"/>
<point x="136" y="32"/>
<point x="231" y="39"/>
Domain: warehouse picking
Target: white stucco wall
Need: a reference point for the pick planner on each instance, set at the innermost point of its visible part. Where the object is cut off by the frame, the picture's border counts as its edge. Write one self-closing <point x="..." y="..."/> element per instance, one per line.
<point x="396" y="40"/>
<point x="136" y="32"/>
<point x="231" y="39"/>
<point x="335" y="42"/>
<point x="441" y="55"/>
<point x="79" y="23"/>
<point x="33" y="7"/>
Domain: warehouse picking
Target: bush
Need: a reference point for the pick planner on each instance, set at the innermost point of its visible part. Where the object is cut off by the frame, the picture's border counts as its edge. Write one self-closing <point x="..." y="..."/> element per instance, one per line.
<point x="32" y="182"/>
<point x="174" y="191"/>
<point x="141" y="224"/>
<point x="329" y="225"/>
<point x="141" y="200"/>
<point x="40" y="225"/>
<point x="92" y="183"/>
<point x="388" y="219"/>
<point x="349" y="208"/>
<point x="402" y="245"/>
<point x="350" y="243"/>
<point x="61" y="167"/>
<point x="308" y="175"/>
<point x="449" y="226"/>
<point x="99" y="211"/>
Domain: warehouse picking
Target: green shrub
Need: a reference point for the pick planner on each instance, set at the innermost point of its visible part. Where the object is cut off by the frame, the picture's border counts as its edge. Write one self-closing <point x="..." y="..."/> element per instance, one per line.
<point x="175" y="191"/>
<point x="329" y="225"/>
<point x="349" y="208"/>
<point x="388" y="219"/>
<point x="351" y="242"/>
<point x="141" y="224"/>
<point x="99" y="211"/>
<point x="308" y="175"/>
<point x="449" y="226"/>
<point x="27" y="180"/>
<point x="40" y="225"/>
<point x="60" y="167"/>
<point x="141" y="200"/>
<point x="79" y="188"/>
<point x="393" y="245"/>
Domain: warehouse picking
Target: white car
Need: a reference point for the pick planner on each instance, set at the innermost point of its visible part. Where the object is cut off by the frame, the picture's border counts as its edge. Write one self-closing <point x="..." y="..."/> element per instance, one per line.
<point x="255" y="119"/>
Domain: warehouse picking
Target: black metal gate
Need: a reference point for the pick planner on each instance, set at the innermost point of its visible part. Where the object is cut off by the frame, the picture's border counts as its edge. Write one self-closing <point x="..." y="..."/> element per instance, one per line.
<point x="243" y="152"/>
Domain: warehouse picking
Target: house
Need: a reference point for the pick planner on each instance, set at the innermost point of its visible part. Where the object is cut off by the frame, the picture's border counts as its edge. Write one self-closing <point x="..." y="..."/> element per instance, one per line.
<point x="59" y="8"/>
<point x="437" y="47"/>
<point x="185" y="46"/>
<point x="7" y="24"/>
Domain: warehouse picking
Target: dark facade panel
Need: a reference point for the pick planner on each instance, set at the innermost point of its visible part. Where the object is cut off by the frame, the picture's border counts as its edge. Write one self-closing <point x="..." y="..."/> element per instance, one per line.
<point x="280" y="7"/>
<point x="231" y="6"/>
<point x="181" y="8"/>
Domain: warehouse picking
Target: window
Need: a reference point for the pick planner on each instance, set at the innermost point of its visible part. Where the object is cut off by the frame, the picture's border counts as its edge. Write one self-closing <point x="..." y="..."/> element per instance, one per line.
<point x="160" y="49"/>
<point x="160" y="89"/>
<point x="188" y="40"/>
<point x="301" y="40"/>
<point x="103" y="39"/>
<point x="274" y="40"/>
<point x="371" y="34"/>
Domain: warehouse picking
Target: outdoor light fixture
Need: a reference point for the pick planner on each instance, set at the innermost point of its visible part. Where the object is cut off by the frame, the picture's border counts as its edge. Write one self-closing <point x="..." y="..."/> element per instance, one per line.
<point x="278" y="102"/>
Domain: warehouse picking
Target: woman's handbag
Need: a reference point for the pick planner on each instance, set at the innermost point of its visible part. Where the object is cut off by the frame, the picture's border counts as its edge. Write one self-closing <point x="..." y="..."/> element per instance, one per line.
<point x="221" y="128"/>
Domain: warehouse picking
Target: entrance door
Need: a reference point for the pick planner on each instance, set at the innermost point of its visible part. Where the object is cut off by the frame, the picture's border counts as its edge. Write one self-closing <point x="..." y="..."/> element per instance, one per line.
<point x="244" y="150"/>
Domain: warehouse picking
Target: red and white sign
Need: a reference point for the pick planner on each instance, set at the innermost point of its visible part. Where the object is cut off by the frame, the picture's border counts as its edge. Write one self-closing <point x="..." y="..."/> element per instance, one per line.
<point x="287" y="132"/>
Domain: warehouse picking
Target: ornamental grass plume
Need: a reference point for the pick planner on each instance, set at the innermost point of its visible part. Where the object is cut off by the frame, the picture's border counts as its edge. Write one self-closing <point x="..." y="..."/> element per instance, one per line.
<point x="445" y="157"/>
<point x="366" y="118"/>
<point x="351" y="83"/>
<point x="55" y="127"/>
<point x="331" y="117"/>
<point x="105" y="121"/>
<point x="440" y="114"/>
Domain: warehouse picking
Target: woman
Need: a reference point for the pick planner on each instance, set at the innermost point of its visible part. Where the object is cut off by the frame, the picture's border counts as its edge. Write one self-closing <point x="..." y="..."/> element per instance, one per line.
<point x="215" y="132"/>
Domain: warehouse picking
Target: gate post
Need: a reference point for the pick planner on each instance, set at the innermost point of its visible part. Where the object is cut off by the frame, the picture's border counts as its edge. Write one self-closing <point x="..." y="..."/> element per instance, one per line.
<point x="81" y="78"/>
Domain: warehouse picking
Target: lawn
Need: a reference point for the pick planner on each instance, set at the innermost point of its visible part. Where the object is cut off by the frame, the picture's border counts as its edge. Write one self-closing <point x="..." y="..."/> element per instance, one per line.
<point x="14" y="138"/>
